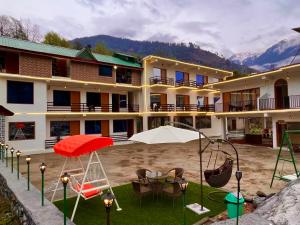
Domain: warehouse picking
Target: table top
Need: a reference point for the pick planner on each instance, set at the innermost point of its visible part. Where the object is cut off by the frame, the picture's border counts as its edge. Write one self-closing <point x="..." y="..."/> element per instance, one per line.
<point x="155" y="175"/>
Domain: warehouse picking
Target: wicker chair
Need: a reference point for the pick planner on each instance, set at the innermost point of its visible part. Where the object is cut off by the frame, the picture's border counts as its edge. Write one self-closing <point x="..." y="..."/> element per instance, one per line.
<point x="172" y="190"/>
<point x="174" y="174"/>
<point x="141" y="190"/>
<point x="141" y="174"/>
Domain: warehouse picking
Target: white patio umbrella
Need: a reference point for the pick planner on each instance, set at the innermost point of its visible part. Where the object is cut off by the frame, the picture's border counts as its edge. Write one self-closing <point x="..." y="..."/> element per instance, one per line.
<point x="166" y="134"/>
<point x="171" y="134"/>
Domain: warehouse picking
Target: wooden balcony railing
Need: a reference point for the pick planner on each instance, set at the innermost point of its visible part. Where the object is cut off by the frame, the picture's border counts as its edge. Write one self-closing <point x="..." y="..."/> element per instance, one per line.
<point x="250" y="105"/>
<point x="287" y="102"/>
<point x="159" y="80"/>
<point x="186" y="83"/>
<point x="162" y="107"/>
<point x="84" y="107"/>
<point x="195" y="107"/>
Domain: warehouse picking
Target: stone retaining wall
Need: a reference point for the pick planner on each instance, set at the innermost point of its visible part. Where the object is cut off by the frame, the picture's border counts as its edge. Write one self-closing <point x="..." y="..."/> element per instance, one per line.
<point x="27" y="204"/>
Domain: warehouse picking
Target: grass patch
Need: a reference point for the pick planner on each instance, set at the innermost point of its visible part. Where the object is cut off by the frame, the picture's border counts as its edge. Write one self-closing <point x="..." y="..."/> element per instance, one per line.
<point x="153" y="211"/>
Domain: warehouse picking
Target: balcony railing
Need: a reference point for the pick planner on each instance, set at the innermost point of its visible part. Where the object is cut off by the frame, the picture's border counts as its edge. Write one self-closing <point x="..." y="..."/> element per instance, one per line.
<point x="128" y="80"/>
<point x="240" y="106"/>
<point x="287" y="102"/>
<point x="83" y="107"/>
<point x="186" y="83"/>
<point x="162" y="107"/>
<point x="159" y="80"/>
<point x="195" y="107"/>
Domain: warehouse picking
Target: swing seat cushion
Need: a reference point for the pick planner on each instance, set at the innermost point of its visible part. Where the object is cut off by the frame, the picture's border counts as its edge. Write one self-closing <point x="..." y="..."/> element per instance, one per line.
<point x="88" y="194"/>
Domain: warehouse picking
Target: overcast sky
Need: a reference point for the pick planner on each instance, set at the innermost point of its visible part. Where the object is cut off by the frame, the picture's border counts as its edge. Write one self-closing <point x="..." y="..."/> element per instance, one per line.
<point x="224" y="26"/>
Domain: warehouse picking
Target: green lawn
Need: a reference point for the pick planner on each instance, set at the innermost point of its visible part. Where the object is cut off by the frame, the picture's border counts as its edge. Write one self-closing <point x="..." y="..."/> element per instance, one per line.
<point x="152" y="212"/>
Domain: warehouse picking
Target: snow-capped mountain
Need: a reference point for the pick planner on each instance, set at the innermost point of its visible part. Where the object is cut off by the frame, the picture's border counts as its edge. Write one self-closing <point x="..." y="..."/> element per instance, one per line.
<point x="278" y="55"/>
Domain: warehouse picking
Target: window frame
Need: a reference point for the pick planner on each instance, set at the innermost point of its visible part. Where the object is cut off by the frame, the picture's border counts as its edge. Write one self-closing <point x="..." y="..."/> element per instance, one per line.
<point x="117" y="131"/>
<point x="198" y="121"/>
<point x="95" y="122"/>
<point x="67" y="104"/>
<point x="105" y="66"/>
<point x="9" y="129"/>
<point x="60" y="121"/>
<point x="8" y="95"/>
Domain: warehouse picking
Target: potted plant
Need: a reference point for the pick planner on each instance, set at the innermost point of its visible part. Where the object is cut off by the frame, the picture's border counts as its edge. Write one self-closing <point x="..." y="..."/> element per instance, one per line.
<point x="254" y="136"/>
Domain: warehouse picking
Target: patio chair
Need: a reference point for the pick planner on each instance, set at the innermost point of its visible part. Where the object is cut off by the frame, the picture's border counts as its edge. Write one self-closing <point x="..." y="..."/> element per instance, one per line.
<point x="141" y="174"/>
<point x="141" y="190"/>
<point x="174" y="174"/>
<point x="172" y="190"/>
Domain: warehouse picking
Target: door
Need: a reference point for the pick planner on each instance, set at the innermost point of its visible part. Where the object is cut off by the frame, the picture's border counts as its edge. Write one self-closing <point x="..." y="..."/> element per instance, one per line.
<point x="226" y="101"/>
<point x="186" y="102"/>
<point x="105" y="102"/>
<point x="186" y="79"/>
<point x="163" y="76"/>
<point x="163" y="102"/>
<point x="281" y="126"/>
<point x="115" y="102"/>
<point x="75" y="101"/>
<point x="130" y="128"/>
<point x="105" y="128"/>
<point x="130" y="102"/>
<point x="74" y="127"/>
<point x="281" y="94"/>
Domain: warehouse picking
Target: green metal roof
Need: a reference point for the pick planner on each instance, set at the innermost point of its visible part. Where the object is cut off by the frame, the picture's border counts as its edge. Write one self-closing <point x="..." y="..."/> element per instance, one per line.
<point x="55" y="50"/>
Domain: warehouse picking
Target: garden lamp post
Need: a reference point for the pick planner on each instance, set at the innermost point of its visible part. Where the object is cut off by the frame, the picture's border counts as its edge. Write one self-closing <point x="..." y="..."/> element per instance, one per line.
<point x="18" y="154"/>
<point x="183" y="186"/>
<point x="12" y="150"/>
<point x="6" y="155"/>
<point x="108" y="200"/>
<point x="3" y="151"/>
<point x="42" y="169"/>
<point x="65" y="180"/>
<point x="28" y="159"/>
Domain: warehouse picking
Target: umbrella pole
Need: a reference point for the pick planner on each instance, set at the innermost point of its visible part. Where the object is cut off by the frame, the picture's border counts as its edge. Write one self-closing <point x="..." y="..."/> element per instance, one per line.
<point x="201" y="178"/>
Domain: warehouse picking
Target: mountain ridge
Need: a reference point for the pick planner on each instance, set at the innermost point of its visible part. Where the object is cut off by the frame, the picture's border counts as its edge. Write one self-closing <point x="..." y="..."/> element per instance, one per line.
<point x="180" y="51"/>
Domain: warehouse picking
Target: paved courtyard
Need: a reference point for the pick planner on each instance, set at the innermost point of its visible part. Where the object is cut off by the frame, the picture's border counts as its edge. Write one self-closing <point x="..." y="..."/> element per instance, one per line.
<point x="121" y="162"/>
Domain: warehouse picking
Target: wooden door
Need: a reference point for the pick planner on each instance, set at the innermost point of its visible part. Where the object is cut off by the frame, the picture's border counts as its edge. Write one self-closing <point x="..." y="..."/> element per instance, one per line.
<point x="74" y="127"/>
<point x="281" y="126"/>
<point x="226" y="101"/>
<point x="163" y="76"/>
<point x="105" y="102"/>
<point x="75" y="101"/>
<point x="186" y="76"/>
<point x="163" y="102"/>
<point x="130" y="128"/>
<point x="186" y="102"/>
<point x="105" y="128"/>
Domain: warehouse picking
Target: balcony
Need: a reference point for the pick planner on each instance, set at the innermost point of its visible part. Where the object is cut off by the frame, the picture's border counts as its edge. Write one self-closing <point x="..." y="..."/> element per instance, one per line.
<point x="249" y="105"/>
<point x="287" y="102"/>
<point x="83" y="107"/>
<point x="162" y="81"/>
<point x="155" y="107"/>
<point x="186" y="83"/>
<point x="195" y="107"/>
<point x="128" y="80"/>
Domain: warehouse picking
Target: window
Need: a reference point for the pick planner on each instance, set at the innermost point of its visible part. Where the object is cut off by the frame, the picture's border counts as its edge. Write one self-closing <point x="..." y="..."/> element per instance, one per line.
<point x="60" y="67"/>
<point x="123" y="101"/>
<point x="105" y="71"/>
<point x="179" y="100"/>
<point x="61" y="98"/>
<point x="2" y="63"/>
<point x="93" y="99"/>
<point x="199" y="80"/>
<point x="124" y="76"/>
<point x="179" y="76"/>
<point x="92" y="126"/>
<point x="120" y="126"/>
<point x="21" y="131"/>
<point x="154" y="122"/>
<point x="59" y="128"/>
<point x="19" y="92"/>
<point x="188" y="120"/>
<point x="203" y="122"/>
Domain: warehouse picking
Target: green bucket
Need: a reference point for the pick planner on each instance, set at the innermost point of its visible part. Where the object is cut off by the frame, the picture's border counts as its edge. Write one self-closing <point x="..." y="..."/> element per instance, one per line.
<point x="231" y="201"/>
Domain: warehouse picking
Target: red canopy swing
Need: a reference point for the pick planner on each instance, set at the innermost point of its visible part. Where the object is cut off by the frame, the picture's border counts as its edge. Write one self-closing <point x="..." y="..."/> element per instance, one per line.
<point x="84" y="184"/>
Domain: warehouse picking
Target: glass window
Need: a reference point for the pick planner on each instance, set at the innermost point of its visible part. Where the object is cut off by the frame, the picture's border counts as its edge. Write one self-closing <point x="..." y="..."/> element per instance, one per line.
<point x="123" y="101"/>
<point x="203" y="122"/>
<point x="154" y="122"/>
<point x="188" y="120"/>
<point x="179" y="100"/>
<point x="2" y="63"/>
<point x="19" y="92"/>
<point x="21" y="131"/>
<point x="199" y="79"/>
<point x="59" y="128"/>
<point x="61" y="98"/>
<point x="157" y="73"/>
<point x="179" y="76"/>
<point x="124" y="76"/>
<point x="120" y="126"/>
<point x="105" y="71"/>
<point x="92" y="126"/>
<point x="93" y="99"/>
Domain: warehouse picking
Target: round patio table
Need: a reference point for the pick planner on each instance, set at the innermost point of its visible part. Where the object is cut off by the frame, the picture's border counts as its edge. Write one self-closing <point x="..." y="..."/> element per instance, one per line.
<point x="156" y="180"/>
